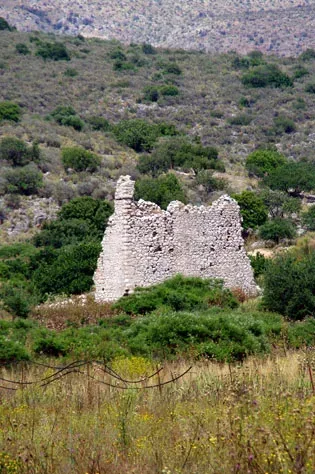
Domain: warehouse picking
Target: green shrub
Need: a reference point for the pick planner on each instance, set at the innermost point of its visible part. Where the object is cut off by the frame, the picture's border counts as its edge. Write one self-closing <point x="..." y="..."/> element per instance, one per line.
<point x="161" y="190"/>
<point x="4" y="25"/>
<point x="209" y="182"/>
<point x="71" y="272"/>
<point x="9" y="111"/>
<point x="310" y="88"/>
<point x="172" y="68"/>
<point x="120" y="65"/>
<point x="62" y="112"/>
<point x="253" y="210"/>
<point x="70" y="72"/>
<point x="24" y="180"/>
<point x="99" y="123"/>
<point x="59" y="233"/>
<point x="308" y="218"/>
<point x="151" y="93"/>
<point x="95" y="212"/>
<point x="292" y="178"/>
<point x="289" y="285"/>
<point x="266" y="75"/>
<point x="259" y="263"/>
<point x="137" y="134"/>
<point x="300" y="71"/>
<point x="284" y="125"/>
<point x="17" y="153"/>
<point x="241" y="120"/>
<point x="79" y="159"/>
<point x="148" y="49"/>
<point x="178" y="152"/>
<point x="50" y="344"/>
<point x="55" y="51"/>
<point x="16" y="300"/>
<point x="308" y="54"/>
<point x="12" y="351"/>
<point x="118" y="54"/>
<point x="261" y="162"/>
<point x="178" y="294"/>
<point x="277" y="229"/>
<point x="22" y="48"/>
<point x="301" y="333"/>
<point x="279" y="203"/>
<point x="73" y="121"/>
<point x="169" y="90"/>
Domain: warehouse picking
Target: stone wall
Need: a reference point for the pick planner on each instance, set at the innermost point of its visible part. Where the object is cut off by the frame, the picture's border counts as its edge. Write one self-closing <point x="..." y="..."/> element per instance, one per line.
<point x="144" y="245"/>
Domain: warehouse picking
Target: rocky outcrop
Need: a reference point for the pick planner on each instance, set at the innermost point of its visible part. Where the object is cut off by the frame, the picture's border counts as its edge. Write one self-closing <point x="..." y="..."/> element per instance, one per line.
<point x="144" y="245"/>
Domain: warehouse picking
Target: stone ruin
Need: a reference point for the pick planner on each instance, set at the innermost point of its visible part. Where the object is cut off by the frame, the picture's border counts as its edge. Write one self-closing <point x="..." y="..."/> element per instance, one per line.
<point x="144" y="245"/>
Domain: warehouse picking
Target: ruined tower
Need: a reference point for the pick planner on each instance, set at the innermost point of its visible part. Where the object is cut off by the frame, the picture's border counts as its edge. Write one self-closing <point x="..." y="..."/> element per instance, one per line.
<point x="144" y="245"/>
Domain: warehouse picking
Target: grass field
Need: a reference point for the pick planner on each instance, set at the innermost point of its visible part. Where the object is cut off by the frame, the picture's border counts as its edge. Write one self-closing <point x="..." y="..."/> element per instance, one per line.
<point x="252" y="418"/>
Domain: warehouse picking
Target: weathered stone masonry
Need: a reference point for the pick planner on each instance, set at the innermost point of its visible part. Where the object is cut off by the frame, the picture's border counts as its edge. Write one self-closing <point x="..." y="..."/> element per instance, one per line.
<point x="144" y="245"/>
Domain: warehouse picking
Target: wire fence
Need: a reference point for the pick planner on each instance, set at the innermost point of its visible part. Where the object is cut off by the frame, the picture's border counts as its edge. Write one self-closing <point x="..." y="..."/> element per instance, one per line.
<point x="91" y="370"/>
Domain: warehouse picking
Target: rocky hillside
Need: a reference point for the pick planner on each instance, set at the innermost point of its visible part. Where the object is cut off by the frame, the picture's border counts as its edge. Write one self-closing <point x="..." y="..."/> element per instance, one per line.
<point x="284" y="27"/>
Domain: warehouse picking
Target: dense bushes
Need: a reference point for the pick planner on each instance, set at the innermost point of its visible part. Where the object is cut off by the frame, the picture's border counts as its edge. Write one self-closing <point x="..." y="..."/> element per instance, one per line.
<point x="253" y="210"/>
<point x="178" y="294"/>
<point x="266" y="75"/>
<point x="289" y="285"/>
<point x="17" y="153"/>
<point x="4" y="25"/>
<point x="9" y="111"/>
<point x="179" y="152"/>
<point x="25" y="180"/>
<point x="277" y="229"/>
<point x="308" y="218"/>
<point x="79" y="159"/>
<point x="161" y="190"/>
<point x="261" y="162"/>
<point x="66" y="115"/>
<point x="55" y="51"/>
<point x="292" y="178"/>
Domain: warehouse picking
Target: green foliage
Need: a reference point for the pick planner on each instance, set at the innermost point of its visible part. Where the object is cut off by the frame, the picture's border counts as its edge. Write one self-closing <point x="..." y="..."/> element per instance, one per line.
<point x="98" y="123"/>
<point x="17" y="153"/>
<point x="139" y="134"/>
<point x="289" y="285"/>
<point x="310" y="88"/>
<point x="25" y="180"/>
<point x="9" y="111"/>
<point x="292" y="178"/>
<point x="301" y="334"/>
<point x="308" y="218"/>
<point x="242" y="120"/>
<point x="71" y="272"/>
<point x="209" y="182"/>
<point x="279" y="203"/>
<point x="95" y="212"/>
<point x="79" y="159"/>
<point x="308" y="54"/>
<point x="70" y="72"/>
<point x="172" y="68"/>
<point x="148" y="49"/>
<point x="4" y="25"/>
<point x="161" y="190"/>
<point x="178" y="152"/>
<point x="284" y="125"/>
<point x="151" y="93"/>
<point x="121" y="65"/>
<point x="221" y="336"/>
<point x="16" y="300"/>
<point x="253" y="210"/>
<point x="261" y="162"/>
<point x="169" y="90"/>
<point x="259" y="263"/>
<point x="11" y="351"/>
<point x="66" y="115"/>
<point x="118" y="54"/>
<point x="268" y="75"/>
<point x="299" y="72"/>
<point x="59" y="233"/>
<point x="277" y="229"/>
<point x="22" y="48"/>
<point x="178" y="294"/>
<point x="55" y="51"/>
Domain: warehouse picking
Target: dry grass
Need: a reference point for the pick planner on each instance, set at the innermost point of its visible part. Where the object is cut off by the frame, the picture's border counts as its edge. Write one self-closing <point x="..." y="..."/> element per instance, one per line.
<point x="255" y="418"/>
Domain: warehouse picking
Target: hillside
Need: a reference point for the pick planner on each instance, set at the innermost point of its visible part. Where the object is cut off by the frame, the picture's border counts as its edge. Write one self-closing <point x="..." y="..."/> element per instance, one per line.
<point x="284" y="27"/>
<point x="201" y="94"/>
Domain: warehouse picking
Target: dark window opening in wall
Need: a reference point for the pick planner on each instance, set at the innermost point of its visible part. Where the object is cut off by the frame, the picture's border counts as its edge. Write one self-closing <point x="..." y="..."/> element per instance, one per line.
<point x="158" y="249"/>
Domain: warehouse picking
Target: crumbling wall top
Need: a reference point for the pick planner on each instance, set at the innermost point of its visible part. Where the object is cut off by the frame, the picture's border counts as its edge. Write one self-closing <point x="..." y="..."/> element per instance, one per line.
<point x="125" y="188"/>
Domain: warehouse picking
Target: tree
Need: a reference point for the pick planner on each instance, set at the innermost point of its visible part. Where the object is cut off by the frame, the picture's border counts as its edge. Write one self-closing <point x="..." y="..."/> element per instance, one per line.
<point x="253" y="210"/>
<point x="17" y="153"/>
<point x="293" y="178"/>
<point x="308" y="218"/>
<point x="266" y="75"/>
<point x="55" y="51"/>
<point x="289" y="285"/>
<point x="79" y="159"/>
<point x="4" y="25"/>
<point x="277" y="229"/>
<point x="261" y="162"/>
<point x="279" y="203"/>
<point x="161" y="190"/>
<point x="9" y="111"/>
<point x="137" y="134"/>
<point x="25" y="180"/>
<point x="94" y="211"/>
